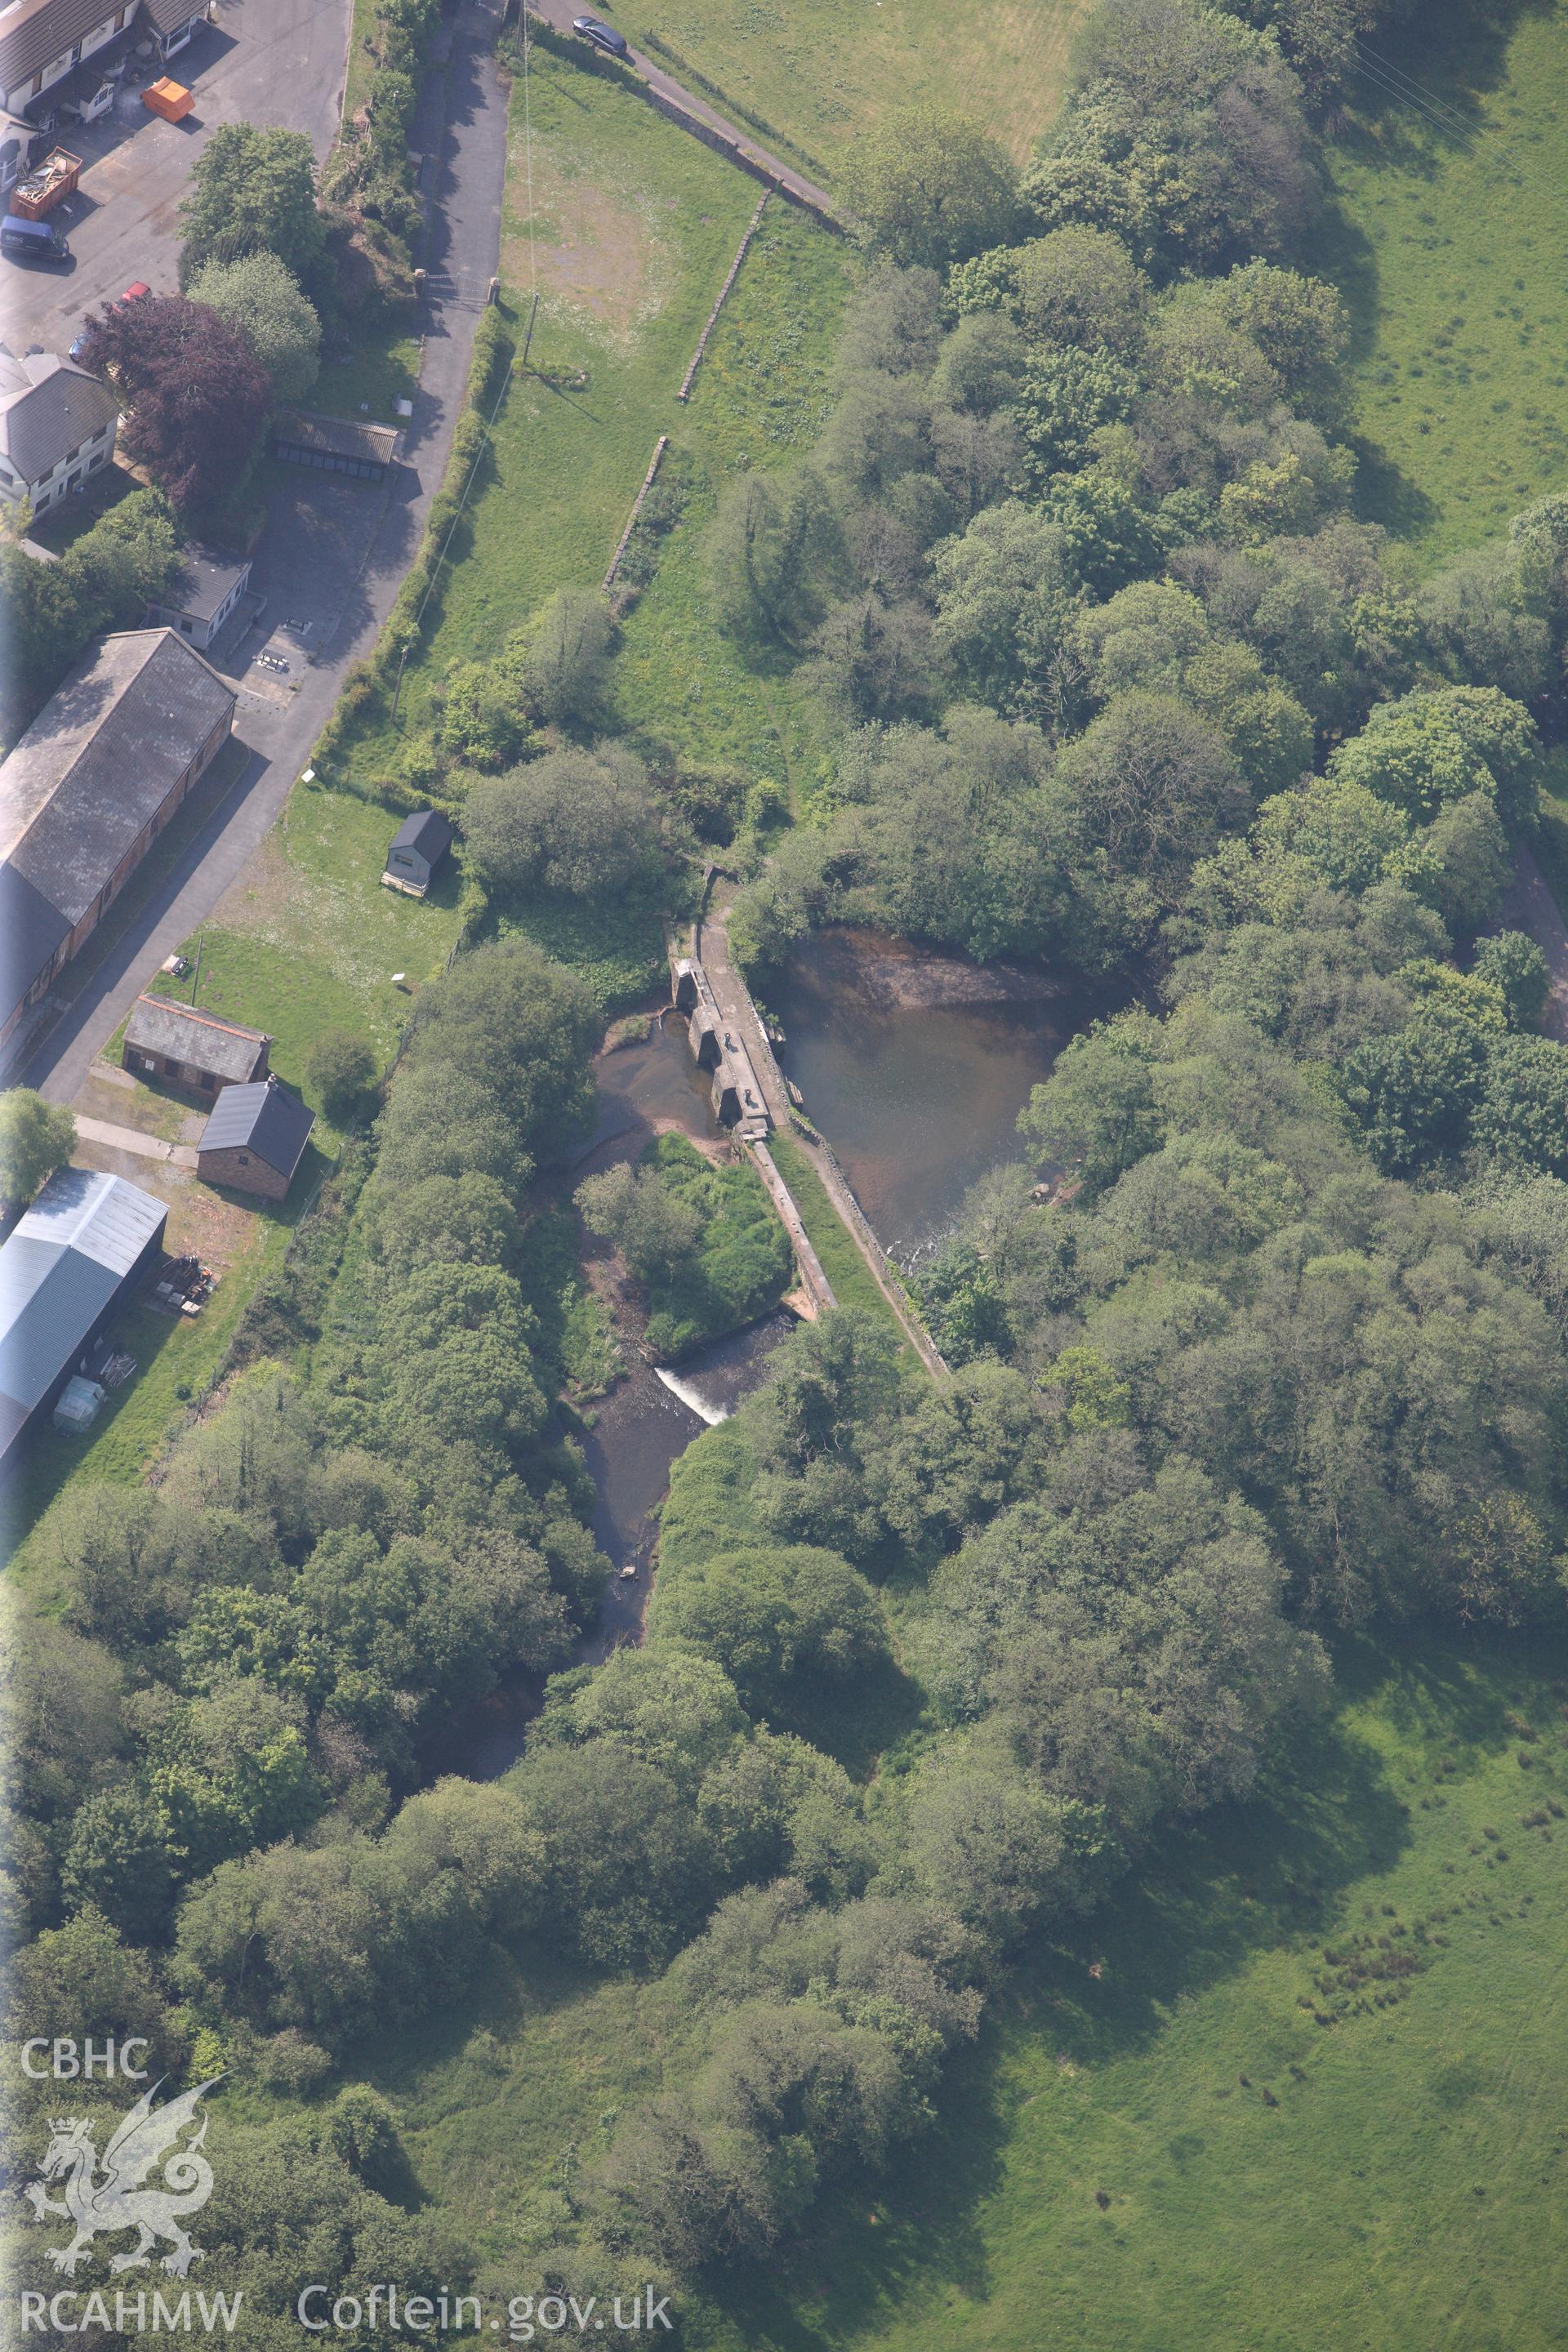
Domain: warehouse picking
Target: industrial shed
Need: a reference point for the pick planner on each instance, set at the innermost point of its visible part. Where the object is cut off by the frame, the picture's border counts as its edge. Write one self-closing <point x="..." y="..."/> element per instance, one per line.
<point x="87" y="1244"/>
<point x="91" y="784"/>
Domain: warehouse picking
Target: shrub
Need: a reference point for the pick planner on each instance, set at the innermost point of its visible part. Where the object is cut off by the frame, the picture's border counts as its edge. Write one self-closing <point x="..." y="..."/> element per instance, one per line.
<point x="343" y="1071"/>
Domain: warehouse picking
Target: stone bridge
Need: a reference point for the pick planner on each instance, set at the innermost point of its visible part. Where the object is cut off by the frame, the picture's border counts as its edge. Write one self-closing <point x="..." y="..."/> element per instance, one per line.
<point x="737" y="1096"/>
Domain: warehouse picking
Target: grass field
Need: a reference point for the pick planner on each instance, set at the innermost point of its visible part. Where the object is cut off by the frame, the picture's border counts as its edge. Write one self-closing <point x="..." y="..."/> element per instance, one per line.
<point x="761" y="398"/>
<point x="369" y="369"/>
<point x="635" y="226"/>
<point x="1452" y="247"/>
<point x="1174" y="2153"/>
<point x="307" y="940"/>
<point x="815" y="72"/>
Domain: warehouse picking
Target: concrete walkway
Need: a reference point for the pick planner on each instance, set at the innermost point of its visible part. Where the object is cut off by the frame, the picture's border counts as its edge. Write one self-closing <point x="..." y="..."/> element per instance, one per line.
<point x="673" y="97"/>
<point x="734" y="998"/>
<point x="1529" y="906"/>
<point x="132" y="1138"/>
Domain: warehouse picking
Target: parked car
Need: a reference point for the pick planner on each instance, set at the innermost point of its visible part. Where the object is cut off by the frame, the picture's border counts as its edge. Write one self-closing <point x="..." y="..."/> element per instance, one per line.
<point x="132" y="294"/>
<point x="604" y="36"/>
<point x="36" y="241"/>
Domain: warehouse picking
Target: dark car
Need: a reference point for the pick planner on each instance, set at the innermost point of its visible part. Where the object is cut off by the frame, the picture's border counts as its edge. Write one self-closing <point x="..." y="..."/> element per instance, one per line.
<point x="29" y="240"/>
<point x="604" y="36"/>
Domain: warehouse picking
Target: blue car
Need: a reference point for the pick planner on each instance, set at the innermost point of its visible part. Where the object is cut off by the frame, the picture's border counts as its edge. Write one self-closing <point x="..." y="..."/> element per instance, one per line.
<point x="604" y="36"/>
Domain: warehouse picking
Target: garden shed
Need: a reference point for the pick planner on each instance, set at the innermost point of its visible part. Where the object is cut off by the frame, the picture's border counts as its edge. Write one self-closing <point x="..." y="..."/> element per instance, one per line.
<point x="417" y="848"/>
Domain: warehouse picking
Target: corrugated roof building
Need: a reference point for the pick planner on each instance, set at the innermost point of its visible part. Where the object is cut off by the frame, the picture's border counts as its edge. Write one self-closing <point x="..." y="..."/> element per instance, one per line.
<point x="88" y="1241"/>
<point x="95" y="779"/>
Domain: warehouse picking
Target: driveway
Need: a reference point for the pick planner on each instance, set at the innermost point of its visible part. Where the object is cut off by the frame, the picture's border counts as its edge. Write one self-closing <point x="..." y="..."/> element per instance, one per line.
<point x="274" y="62"/>
<point x="333" y="550"/>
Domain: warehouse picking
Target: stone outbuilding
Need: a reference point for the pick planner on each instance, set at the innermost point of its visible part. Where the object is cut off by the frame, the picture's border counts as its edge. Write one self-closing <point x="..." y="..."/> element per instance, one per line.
<point x="255" y="1140"/>
<point x="194" y="1051"/>
<point x="87" y="790"/>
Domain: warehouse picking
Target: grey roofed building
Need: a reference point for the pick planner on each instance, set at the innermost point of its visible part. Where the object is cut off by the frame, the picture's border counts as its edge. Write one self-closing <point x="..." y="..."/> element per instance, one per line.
<point x="36" y="33"/>
<point x="265" y="1118"/>
<point x="85" y="1239"/>
<point x="338" y="445"/>
<point x="426" y="833"/>
<point x="31" y="931"/>
<point x="48" y="418"/>
<point x="178" y="1033"/>
<point x="205" y="584"/>
<point x="101" y="760"/>
<point x="202" y="594"/>
<point x="172" y="19"/>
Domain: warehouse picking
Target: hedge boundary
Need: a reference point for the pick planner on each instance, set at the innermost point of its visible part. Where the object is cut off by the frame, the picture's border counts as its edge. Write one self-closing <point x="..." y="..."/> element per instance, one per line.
<point x="495" y="351"/>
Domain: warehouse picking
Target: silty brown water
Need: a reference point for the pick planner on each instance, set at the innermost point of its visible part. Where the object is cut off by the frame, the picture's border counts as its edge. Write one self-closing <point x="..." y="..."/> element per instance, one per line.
<point x="915" y="1066"/>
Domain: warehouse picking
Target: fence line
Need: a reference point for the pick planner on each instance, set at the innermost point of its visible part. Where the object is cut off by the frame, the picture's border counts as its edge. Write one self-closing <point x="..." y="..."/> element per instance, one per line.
<point x="661" y="445"/>
<point x="752" y="228"/>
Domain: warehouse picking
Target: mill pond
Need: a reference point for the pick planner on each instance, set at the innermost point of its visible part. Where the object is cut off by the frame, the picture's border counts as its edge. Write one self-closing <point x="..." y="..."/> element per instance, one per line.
<point x="914" y="1066"/>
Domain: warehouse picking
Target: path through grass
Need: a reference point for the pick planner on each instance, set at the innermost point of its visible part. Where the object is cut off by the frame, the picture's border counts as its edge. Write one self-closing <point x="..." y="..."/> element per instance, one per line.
<point x="815" y="72"/>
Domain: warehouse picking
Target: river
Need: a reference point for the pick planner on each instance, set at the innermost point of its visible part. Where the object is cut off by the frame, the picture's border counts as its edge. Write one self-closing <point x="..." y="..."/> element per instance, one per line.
<point x="649" y="1417"/>
<point x="915" y="1065"/>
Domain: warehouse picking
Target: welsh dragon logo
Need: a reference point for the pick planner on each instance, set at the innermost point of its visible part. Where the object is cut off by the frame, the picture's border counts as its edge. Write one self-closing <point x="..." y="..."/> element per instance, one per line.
<point x="116" y="2198"/>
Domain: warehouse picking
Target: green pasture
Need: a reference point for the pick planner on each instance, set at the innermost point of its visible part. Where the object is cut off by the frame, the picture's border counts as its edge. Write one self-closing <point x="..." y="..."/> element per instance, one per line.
<point x="1451" y="241"/>
<point x="1157" y="2144"/>
<point x="813" y="72"/>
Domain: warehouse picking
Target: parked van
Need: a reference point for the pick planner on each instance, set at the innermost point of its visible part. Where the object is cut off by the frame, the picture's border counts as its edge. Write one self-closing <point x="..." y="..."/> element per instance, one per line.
<point x="25" y="240"/>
